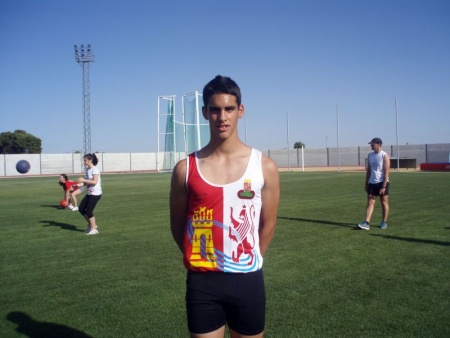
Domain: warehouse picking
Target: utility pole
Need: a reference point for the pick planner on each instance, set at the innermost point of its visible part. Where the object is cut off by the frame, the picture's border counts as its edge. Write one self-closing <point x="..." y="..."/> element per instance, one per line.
<point x="84" y="55"/>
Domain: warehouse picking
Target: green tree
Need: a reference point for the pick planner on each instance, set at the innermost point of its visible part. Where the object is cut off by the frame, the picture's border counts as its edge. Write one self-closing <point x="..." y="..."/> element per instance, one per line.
<point x="298" y="145"/>
<point x="19" y="142"/>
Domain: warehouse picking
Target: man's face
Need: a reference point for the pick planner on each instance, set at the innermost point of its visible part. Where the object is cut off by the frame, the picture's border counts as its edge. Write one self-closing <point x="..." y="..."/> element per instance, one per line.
<point x="223" y="114"/>
<point x="375" y="147"/>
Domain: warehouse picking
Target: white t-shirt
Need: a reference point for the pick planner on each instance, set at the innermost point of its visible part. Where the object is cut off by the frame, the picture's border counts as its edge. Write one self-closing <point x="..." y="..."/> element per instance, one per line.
<point x="376" y="163"/>
<point x="91" y="188"/>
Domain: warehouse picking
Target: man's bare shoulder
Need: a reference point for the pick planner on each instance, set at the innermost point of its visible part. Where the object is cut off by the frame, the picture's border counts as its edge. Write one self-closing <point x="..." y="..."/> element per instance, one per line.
<point x="271" y="179"/>
<point x="181" y="164"/>
<point x="180" y="168"/>
<point x="269" y="165"/>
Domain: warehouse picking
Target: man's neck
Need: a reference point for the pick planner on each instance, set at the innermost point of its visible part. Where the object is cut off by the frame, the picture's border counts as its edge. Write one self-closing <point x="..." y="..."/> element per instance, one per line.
<point x="225" y="147"/>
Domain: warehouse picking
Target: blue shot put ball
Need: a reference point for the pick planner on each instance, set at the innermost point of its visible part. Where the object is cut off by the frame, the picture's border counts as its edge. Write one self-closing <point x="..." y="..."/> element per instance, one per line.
<point x="23" y="166"/>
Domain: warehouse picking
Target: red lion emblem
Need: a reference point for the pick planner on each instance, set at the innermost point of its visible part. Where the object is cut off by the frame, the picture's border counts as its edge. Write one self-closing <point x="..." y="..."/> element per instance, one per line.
<point x="242" y="233"/>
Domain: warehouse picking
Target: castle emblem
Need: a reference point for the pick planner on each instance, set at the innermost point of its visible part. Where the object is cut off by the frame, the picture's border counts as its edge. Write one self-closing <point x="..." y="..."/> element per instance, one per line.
<point x="246" y="192"/>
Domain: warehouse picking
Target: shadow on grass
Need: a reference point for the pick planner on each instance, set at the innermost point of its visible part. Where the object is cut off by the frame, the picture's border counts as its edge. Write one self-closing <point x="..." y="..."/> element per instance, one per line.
<point x="413" y="240"/>
<point x="54" y="206"/>
<point x="31" y="328"/>
<point x="318" y="221"/>
<point x="63" y="226"/>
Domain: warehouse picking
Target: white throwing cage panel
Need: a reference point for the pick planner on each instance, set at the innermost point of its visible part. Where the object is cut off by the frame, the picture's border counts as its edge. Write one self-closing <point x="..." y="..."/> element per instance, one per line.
<point x="177" y="139"/>
<point x="196" y="128"/>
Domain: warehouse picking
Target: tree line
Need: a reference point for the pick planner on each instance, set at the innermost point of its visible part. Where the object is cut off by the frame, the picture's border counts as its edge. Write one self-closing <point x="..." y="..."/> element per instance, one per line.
<point x="19" y="142"/>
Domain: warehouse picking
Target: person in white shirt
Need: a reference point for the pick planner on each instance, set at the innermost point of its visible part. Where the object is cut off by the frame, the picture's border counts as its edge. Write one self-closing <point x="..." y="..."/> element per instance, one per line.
<point x="94" y="192"/>
<point x="377" y="183"/>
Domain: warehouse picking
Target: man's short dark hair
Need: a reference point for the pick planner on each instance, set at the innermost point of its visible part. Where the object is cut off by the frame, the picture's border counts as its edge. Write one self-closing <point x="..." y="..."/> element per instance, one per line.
<point x="221" y="85"/>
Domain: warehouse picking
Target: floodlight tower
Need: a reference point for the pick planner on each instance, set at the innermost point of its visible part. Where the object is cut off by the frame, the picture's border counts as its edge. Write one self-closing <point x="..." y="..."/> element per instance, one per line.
<point x="84" y="55"/>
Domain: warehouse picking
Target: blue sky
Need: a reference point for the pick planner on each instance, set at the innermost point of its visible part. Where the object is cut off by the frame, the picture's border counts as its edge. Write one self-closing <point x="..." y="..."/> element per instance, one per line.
<point x="300" y="59"/>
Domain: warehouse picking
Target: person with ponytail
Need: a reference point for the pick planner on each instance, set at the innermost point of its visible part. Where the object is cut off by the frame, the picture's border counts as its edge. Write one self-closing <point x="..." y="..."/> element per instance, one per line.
<point x="71" y="190"/>
<point x="94" y="192"/>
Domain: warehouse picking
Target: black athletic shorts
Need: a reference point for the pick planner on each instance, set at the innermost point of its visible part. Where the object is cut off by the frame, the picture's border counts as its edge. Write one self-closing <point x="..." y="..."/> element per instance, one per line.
<point x="374" y="189"/>
<point x="214" y="299"/>
<point x="88" y="204"/>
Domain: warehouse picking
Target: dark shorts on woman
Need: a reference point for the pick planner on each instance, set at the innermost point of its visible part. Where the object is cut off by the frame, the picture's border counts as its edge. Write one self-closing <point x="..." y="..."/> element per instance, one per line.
<point x="88" y="204"/>
<point x="374" y="189"/>
<point x="214" y="299"/>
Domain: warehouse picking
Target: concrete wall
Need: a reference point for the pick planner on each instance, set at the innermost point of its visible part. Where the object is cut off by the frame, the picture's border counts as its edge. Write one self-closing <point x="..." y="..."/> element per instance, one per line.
<point x="55" y="164"/>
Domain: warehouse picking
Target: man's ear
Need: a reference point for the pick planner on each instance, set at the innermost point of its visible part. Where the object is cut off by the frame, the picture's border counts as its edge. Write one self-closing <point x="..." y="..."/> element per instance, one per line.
<point x="204" y="112"/>
<point x="241" y="111"/>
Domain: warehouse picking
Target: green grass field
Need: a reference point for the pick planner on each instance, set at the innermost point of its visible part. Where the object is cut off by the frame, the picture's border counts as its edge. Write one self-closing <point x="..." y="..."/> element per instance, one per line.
<point x="324" y="278"/>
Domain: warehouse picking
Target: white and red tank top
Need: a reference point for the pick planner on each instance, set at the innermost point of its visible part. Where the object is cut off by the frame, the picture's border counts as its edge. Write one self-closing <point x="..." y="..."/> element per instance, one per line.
<point x="223" y="220"/>
<point x="376" y="161"/>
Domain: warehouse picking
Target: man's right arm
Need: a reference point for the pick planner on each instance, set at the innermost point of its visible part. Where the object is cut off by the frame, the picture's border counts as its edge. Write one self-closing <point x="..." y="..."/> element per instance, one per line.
<point x="178" y="203"/>
<point x="366" y="182"/>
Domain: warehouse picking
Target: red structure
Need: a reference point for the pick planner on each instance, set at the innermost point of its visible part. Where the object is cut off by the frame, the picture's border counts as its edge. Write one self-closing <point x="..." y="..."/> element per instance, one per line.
<point x="435" y="166"/>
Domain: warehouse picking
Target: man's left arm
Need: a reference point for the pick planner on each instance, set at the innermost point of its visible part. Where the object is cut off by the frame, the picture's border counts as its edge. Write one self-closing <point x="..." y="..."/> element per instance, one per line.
<point x="386" y="169"/>
<point x="270" y="196"/>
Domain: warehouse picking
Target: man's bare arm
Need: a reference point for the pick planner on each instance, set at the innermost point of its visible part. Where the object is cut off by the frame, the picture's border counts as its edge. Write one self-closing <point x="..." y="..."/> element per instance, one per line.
<point x="386" y="168"/>
<point x="270" y="199"/>
<point x="178" y="203"/>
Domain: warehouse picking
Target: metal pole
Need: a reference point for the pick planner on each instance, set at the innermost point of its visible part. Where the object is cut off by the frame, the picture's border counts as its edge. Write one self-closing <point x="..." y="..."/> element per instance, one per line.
<point x="337" y="126"/>
<point x="245" y="130"/>
<point x="86" y="108"/>
<point x="83" y="56"/>
<point x="303" y="158"/>
<point x="159" y="135"/>
<point x="289" y="160"/>
<point x="197" y="118"/>
<point x="396" y="131"/>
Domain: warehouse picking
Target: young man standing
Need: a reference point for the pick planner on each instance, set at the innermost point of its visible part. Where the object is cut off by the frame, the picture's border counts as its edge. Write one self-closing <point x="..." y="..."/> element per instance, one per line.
<point x="223" y="209"/>
<point x="377" y="183"/>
